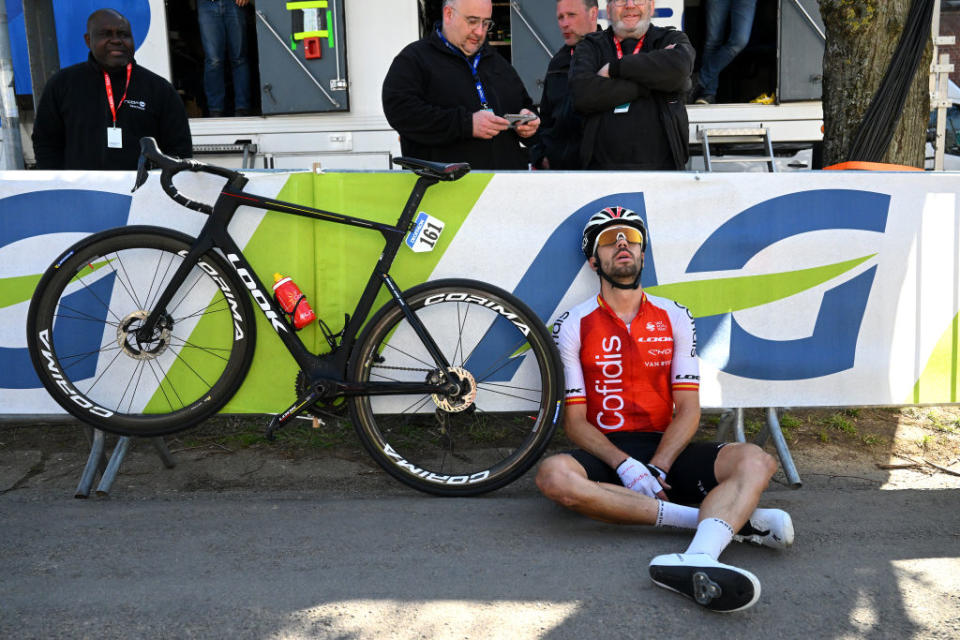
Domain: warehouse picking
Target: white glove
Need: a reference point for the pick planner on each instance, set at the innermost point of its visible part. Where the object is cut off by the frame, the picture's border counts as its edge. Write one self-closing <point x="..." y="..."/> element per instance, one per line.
<point x="637" y="477"/>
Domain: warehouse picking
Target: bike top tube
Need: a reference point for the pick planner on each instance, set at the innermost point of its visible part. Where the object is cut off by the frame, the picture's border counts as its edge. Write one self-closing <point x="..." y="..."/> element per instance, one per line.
<point x="150" y="155"/>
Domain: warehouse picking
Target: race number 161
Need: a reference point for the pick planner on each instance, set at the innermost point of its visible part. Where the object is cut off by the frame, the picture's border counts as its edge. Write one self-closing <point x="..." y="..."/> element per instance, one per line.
<point x="425" y="233"/>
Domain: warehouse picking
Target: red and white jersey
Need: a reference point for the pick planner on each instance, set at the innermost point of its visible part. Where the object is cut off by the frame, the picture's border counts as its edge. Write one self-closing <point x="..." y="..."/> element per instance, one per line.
<point x="626" y="376"/>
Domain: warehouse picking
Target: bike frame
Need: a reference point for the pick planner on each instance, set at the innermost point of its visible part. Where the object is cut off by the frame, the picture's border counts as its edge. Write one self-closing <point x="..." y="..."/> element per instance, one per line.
<point x="327" y="370"/>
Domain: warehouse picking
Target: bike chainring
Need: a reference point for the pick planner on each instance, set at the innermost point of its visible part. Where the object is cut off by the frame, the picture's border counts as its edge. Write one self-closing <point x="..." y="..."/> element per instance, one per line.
<point x="336" y="407"/>
<point x="130" y="342"/>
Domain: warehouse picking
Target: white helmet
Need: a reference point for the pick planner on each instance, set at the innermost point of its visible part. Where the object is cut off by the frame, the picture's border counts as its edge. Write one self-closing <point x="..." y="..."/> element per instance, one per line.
<point x="609" y="217"/>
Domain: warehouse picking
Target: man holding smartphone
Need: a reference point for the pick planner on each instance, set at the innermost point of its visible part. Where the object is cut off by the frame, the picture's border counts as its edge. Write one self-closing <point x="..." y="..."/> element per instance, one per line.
<point x="452" y="98"/>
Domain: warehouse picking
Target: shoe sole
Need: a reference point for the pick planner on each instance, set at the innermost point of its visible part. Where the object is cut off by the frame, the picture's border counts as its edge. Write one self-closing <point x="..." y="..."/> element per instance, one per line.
<point x="720" y="589"/>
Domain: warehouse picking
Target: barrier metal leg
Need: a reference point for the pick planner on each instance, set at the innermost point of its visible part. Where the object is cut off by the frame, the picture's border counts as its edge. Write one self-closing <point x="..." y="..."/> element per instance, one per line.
<point x="116" y="459"/>
<point x="780" y="443"/>
<point x="731" y="418"/>
<point x="738" y="433"/>
<point x="160" y="446"/>
<point x="94" y="464"/>
<point x="108" y="467"/>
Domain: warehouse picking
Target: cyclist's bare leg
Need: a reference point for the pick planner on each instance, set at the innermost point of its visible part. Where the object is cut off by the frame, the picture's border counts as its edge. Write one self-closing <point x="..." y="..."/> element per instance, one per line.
<point x="564" y="480"/>
<point x="742" y="471"/>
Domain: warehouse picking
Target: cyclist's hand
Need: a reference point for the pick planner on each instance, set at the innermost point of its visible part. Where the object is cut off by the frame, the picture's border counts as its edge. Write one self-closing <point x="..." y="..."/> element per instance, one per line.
<point x="486" y="124"/>
<point x="637" y="477"/>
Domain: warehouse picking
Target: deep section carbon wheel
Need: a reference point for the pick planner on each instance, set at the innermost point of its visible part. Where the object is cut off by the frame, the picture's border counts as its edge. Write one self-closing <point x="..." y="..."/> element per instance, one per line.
<point x="83" y="331"/>
<point x="509" y="396"/>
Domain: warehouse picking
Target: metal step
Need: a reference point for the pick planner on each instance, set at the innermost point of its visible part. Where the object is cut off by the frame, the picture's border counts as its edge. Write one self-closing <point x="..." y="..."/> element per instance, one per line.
<point x="736" y="136"/>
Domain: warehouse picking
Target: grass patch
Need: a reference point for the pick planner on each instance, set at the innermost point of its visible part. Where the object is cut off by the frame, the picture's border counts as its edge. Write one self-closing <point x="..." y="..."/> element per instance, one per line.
<point x="938" y="423"/>
<point x="872" y="440"/>
<point x="788" y="421"/>
<point x="823" y="436"/>
<point x="840" y="423"/>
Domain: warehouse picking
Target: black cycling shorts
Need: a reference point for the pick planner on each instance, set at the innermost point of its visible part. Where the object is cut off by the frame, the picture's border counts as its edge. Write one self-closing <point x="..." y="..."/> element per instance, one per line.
<point x="691" y="477"/>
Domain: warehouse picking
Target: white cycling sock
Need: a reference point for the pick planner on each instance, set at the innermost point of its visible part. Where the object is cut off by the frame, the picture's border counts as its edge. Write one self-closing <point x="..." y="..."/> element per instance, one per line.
<point x="670" y="514"/>
<point x="712" y="537"/>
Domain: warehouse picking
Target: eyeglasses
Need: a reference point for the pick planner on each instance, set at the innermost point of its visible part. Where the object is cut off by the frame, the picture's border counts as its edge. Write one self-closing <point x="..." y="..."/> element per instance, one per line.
<point x="623" y="3"/>
<point x="613" y="235"/>
<point x="474" y="21"/>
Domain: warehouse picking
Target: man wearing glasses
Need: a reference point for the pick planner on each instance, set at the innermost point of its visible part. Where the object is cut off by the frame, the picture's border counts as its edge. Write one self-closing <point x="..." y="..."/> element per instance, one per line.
<point x="447" y="95"/>
<point x="633" y="406"/>
<point x="630" y="82"/>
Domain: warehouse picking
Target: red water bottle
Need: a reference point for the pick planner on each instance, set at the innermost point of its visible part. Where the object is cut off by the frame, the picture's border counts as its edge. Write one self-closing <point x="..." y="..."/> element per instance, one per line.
<point x="292" y="300"/>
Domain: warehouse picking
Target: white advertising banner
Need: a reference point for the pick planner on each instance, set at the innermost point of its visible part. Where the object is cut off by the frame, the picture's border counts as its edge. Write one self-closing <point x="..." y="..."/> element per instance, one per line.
<point x="808" y="289"/>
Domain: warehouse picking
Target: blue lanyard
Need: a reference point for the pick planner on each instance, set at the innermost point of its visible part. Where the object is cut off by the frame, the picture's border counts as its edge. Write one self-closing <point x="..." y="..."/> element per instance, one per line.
<point x="474" y="64"/>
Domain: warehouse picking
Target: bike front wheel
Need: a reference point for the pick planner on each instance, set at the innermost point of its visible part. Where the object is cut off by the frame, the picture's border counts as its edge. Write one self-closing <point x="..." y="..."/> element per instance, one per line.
<point x="82" y="332"/>
<point x="511" y="389"/>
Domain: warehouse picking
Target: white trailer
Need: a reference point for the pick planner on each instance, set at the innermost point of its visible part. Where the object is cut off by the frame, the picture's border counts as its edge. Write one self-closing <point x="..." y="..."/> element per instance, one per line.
<point x="328" y="111"/>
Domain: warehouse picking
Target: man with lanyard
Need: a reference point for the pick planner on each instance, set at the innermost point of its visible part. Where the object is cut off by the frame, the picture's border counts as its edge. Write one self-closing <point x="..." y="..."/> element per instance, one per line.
<point x="92" y="115"/>
<point x="633" y="406"/>
<point x="447" y="94"/>
<point x="630" y="83"/>
<point x="562" y="127"/>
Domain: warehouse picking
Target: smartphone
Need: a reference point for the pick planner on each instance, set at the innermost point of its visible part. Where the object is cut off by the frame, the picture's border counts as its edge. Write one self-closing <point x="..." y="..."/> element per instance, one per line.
<point x="519" y="118"/>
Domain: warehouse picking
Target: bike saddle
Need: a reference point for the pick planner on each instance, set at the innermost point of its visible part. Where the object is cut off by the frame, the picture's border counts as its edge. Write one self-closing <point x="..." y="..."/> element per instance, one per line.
<point x="438" y="170"/>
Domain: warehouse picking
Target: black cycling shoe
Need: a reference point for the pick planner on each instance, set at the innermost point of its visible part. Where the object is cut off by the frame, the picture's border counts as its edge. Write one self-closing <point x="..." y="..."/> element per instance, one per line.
<point x="711" y="584"/>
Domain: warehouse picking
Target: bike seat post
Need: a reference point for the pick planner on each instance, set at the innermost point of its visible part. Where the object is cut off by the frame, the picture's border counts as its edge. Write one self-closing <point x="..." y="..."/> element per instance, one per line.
<point x="413" y="200"/>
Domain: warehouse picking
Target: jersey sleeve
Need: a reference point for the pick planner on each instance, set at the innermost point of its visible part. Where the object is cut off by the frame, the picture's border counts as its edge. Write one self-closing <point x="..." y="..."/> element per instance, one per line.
<point x="685" y="370"/>
<point x="566" y="334"/>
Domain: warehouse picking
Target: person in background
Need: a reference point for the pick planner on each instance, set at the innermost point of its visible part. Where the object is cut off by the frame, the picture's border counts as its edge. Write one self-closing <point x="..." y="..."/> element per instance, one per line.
<point x="92" y="115"/>
<point x="717" y="52"/>
<point x="630" y="82"/>
<point x="561" y="128"/>
<point x="223" y="32"/>
<point x="447" y="95"/>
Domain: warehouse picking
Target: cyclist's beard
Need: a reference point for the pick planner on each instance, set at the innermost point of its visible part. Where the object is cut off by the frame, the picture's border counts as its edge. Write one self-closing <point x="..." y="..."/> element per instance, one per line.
<point x="627" y="271"/>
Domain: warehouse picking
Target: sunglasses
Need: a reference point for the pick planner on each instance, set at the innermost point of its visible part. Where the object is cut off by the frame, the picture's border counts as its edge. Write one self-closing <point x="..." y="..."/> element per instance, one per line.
<point x="613" y="235"/>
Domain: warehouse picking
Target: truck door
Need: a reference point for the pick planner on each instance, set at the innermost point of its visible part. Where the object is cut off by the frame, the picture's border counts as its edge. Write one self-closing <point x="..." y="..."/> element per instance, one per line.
<point x="302" y="53"/>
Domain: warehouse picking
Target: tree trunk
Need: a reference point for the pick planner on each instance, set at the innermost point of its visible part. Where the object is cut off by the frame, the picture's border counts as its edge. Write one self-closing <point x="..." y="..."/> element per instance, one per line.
<point x="861" y="38"/>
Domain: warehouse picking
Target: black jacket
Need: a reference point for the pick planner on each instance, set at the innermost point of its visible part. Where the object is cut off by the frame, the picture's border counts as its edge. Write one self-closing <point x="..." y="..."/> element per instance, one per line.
<point x="429" y="97"/>
<point x="561" y="128"/>
<point x="653" y="132"/>
<point x="70" y="131"/>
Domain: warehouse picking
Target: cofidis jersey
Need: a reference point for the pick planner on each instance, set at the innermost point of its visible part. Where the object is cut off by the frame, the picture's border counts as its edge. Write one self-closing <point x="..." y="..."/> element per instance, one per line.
<point x="626" y="375"/>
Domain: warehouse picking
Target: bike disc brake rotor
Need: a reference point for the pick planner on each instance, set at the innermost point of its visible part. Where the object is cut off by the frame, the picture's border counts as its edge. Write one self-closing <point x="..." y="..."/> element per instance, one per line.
<point x="130" y="343"/>
<point x="463" y="400"/>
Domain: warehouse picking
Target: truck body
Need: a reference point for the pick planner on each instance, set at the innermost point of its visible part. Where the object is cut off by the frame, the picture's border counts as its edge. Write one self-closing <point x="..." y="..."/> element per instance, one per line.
<point x="325" y="110"/>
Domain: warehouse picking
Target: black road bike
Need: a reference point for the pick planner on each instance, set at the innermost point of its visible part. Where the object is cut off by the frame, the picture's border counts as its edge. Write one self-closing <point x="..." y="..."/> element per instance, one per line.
<point x="454" y="386"/>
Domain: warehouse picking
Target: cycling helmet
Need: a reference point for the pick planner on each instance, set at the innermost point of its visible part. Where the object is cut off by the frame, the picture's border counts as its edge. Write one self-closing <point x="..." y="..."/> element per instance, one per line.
<point x="607" y="218"/>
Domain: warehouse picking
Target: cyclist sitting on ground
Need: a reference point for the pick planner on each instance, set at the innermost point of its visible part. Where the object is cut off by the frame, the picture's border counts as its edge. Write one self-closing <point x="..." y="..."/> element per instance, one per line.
<point x="633" y="405"/>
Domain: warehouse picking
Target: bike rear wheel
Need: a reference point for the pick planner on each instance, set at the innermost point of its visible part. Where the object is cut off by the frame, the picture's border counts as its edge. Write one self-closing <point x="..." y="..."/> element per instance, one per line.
<point x="511" y="380"/>
<point x="82" y="322"/>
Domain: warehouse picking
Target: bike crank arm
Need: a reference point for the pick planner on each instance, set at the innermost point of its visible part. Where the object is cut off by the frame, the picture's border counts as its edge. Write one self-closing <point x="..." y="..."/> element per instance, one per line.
<point x="281" y="419"/>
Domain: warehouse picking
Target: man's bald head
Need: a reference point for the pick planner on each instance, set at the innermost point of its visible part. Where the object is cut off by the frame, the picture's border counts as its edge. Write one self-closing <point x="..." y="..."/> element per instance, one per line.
<point x="110" y="39"/>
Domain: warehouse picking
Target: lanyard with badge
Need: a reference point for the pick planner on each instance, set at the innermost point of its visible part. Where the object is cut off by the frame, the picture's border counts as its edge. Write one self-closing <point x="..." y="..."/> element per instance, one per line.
<point x="474" y="65"/>
<point x="114" y="133"/>
<point x="623" y="108"/>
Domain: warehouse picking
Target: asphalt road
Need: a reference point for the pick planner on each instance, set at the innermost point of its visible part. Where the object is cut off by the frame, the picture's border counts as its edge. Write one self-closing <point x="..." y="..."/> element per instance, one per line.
<point x="341" y="551"/>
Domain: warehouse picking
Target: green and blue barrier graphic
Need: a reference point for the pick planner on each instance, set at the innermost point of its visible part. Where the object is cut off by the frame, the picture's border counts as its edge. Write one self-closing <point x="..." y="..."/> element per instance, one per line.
<point x="717" y="280"/>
